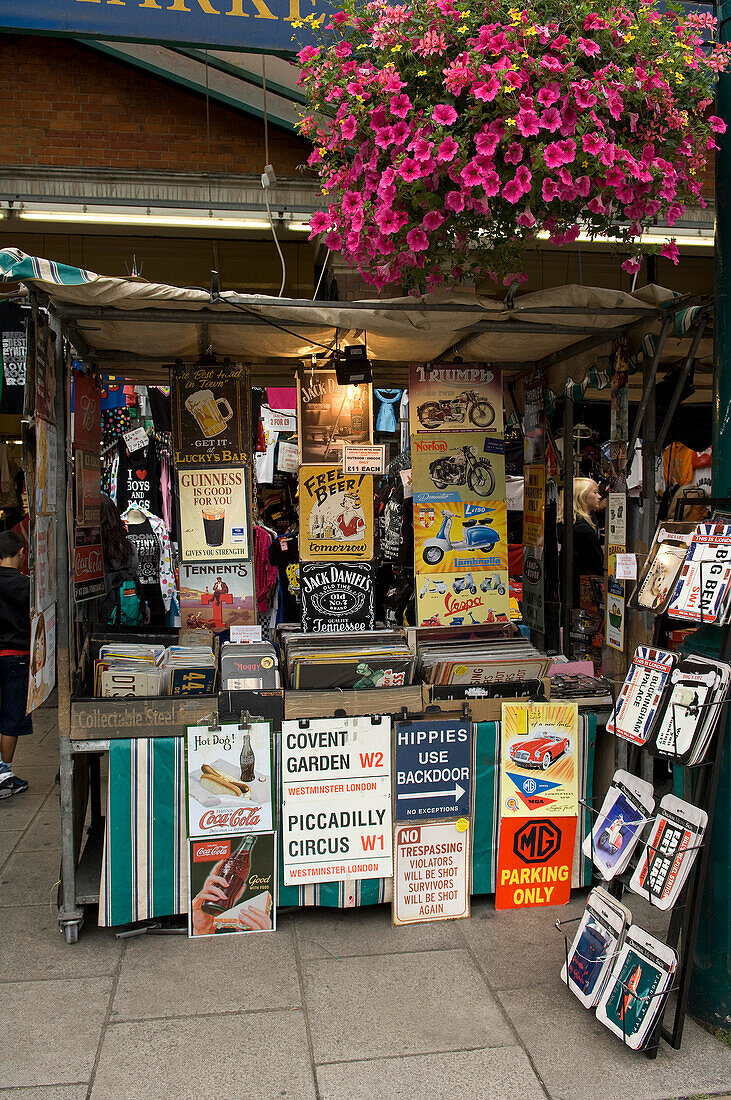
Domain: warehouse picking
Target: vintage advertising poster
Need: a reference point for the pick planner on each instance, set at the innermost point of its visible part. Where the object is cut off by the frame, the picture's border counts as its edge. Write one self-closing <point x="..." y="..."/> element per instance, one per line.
<point x="45" y="468"/>
<point x="456" y="397"/>
<point x="336" y="799"/>
<point x="538" y="759"/>
<point x="337" y="598"/>
<point x="535" y="857"/>
<point x="87" y="434"/>
<point x="534" y="508"/>
<point x="88" y="478"/>
<point x="433" y="769"/>
<point x="217" y="595"/>
<point x="431" y="872"/>
<point x="43" y="577"/>
<point x="457" y="466"/>
<point x="42" y="677"/>
<point x="460" y="537"/>
<point x="45" y="373"/>
<point x="214" y="514"/>
<point x="88" y="564"/>
<point x="232" y="884"/>
<point x="456" y="599"/>
<point x="330" y="416"/>
<point x="211" y="415"/>
<point x="336" y="514"/>
<point x="614" y="629"/>
<point x="229" y="772"/>
<point x="534" y="421"/>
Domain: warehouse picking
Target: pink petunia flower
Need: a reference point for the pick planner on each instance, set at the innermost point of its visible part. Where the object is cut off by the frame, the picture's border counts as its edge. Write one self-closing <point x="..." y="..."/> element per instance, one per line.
<point x="433" y="220"/>
<point x="549" y="94"/>
<point x="319" y="222"/>
<point x="526" y="219"/>
<point x="632" y="266"/>
<point x="400" y="105"/>
<point x="487" y="90"/>
<point x="588" y="46"/>
<point x="417" y="240"/>
<point x="514" y="153"/>
<point x="444" y="115"/>
<point x="491" y="183"/>
<point x="350" y="203"/>
<point x="454" y="201"/>
<point x="447" y="150"/>
<point x="384" y="137"/>
<point x="593" y="144"/>
<point x="409" y="170"/>
<point x="550" y="119"/>
<point x="401" y="132"/>
<point x="393" y="83"/>
<point x="526" y="122"/>
<point x="549" y="190"/>
<point x="348" y="127"/>
<point x="717" y="124"/>
<point x="470" y="175"/>
<point x="486" y="143"/>
<point x="670" y="251"/>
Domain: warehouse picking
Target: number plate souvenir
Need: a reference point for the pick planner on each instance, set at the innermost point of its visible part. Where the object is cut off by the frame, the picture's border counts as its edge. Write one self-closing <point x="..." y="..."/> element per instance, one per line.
<point x="641" y="694"/>
<point x="703" y="586"/>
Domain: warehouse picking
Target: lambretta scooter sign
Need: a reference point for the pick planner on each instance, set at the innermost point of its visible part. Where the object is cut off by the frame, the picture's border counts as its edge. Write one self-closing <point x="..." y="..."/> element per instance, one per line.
<point x="432" y="770"/>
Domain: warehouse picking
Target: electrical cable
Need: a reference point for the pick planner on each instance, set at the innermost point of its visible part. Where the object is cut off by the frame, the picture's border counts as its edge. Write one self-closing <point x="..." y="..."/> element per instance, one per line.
<point x="274" y="324"/>
<point x="322" y="272"/>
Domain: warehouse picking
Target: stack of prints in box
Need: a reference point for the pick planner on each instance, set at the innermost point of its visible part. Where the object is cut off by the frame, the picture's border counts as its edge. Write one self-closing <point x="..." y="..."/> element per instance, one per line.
<point x="248" y="666"/>
<point x="124" y="669"/>
<point x="191" y="670"/>
<point x="702" y="592"/>
<point x="361" y="660"/>
<point x="671" y="704"/>
<point x="480" y="661"/>
<point x="616" y="967"/>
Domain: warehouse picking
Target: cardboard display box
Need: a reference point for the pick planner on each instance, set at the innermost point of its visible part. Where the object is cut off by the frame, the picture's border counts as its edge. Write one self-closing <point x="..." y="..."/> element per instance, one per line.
<point x="325" y="704"/>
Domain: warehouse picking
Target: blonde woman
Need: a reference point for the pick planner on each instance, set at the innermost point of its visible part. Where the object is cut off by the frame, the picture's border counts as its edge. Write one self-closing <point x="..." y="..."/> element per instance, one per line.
<point x="588" y="553"/>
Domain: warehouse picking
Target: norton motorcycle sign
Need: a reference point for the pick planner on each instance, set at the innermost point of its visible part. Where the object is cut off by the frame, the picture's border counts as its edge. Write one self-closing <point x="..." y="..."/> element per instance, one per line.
<point x="456" y="397"/>
<point x="337" y="598"/>
<point x="463" y="466"/>
<point x="336" y="514"/>
<point x="462" y="536"/>
<point x="459" y="599"/>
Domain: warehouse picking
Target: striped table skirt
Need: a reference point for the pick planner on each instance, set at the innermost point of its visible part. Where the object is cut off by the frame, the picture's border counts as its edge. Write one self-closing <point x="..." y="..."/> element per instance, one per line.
<point x="144" y="871"/>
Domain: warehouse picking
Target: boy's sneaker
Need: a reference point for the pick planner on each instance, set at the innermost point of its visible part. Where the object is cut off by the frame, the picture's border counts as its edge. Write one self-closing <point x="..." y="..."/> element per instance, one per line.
<point x="11" y="784"/>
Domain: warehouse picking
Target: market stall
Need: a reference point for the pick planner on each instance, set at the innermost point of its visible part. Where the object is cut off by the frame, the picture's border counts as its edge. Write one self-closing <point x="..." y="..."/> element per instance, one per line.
<point x="437" y="478"/>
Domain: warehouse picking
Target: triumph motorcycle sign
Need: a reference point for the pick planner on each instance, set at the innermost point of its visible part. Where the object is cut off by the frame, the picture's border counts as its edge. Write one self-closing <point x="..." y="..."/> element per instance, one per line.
<point x="456" y="397"/>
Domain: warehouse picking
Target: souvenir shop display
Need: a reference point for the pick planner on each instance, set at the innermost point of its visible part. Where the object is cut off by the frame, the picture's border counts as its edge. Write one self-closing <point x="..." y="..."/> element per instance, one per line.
<point x="215" y="513"/>
<point x="447" y="397"/>
<point x="642" y="694"/>
<point x="596" y="945"/>
<point x="638" y="986"/>
<point x="217" y="595"/>
<point x="252" y="665"/>
<point x="457" y="466"/>
<point x="685" y="725"/>
<point x="369" y="660"/>
<point x="660" y="572"/>
<point x="150" y="537"/>
<point x="670" y="851"/>
<point x="386" y="418"/>
<point x="229" y="770"/>
<point x="211" y="412"/>
<point x="627" y="807"/>
<point x="232" y="884"/>
<point x="336" y="514"/>
<point x="703" y="589"/>
<point x="191" y="670"/>
<point x="444" y="661"/>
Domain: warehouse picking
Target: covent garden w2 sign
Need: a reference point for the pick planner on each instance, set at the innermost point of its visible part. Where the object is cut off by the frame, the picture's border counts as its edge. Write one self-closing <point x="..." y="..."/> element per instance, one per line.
<point x="260" y="25"/>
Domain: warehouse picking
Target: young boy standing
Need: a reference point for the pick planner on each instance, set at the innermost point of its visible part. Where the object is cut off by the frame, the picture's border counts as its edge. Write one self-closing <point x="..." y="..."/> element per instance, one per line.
<point x="14" y="658"/>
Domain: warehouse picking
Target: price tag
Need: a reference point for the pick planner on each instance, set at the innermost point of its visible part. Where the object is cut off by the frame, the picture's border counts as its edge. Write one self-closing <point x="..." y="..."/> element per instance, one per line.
<point x="245" y="633"/>
<point x="287" y="457"/>
<point x="407" y="483"/>
<point x="626" y="567"/>
<point x="366" y="459"/>
<point x="136" y="439"/>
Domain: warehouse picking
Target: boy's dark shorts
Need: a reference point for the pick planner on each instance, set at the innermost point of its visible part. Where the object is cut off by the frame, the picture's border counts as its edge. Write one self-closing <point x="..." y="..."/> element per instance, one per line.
<point x="14" y="722"/>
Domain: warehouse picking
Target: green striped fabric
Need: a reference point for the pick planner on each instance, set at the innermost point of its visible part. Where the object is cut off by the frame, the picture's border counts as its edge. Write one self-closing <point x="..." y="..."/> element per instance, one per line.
<point x="144" y="869"/>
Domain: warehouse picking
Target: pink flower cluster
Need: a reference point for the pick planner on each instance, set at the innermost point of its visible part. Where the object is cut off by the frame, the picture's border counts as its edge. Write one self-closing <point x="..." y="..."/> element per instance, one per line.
<point x="445" y="139"/>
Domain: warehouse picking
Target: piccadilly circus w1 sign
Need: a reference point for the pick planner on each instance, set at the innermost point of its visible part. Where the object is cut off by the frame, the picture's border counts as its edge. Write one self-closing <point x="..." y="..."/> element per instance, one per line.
<point x="259" y="25"/>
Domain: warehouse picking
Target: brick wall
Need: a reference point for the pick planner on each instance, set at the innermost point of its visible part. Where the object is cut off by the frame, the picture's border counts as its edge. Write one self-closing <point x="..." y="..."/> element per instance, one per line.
<point x="67" y="105"/>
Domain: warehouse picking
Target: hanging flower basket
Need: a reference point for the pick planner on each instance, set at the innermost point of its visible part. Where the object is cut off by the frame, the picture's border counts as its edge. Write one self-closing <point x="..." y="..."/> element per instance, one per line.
<point x="449" y="137"/>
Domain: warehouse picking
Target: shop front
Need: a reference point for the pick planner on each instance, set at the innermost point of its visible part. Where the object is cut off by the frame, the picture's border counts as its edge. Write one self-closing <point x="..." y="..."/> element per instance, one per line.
<point x="333" y="676"/>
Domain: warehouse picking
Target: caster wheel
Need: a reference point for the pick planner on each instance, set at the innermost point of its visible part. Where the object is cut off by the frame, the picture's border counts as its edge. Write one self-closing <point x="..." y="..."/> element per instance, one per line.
<point x="71" y="931"/>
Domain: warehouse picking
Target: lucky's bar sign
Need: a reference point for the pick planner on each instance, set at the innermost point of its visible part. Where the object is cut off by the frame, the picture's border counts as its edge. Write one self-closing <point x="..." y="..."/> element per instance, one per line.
<point x="259" y="25"/>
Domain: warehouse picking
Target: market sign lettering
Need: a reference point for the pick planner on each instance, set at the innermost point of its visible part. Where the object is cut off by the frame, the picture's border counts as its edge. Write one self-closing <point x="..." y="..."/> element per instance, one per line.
<point x="535" y="857"/>
<point x="215" y="23"/>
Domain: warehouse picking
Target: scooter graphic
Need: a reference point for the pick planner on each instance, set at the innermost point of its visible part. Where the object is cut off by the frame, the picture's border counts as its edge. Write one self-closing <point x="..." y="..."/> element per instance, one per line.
<point x="477" y="536"/>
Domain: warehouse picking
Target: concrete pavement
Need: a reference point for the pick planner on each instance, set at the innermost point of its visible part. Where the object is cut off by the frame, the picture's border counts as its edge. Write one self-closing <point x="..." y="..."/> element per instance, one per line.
<point x="334" y="1006"/>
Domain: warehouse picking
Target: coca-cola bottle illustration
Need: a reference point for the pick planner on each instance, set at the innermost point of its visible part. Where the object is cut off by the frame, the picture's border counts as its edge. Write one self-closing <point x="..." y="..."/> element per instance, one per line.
<point x="247" y="759"/>
<point x="235" y="870"/>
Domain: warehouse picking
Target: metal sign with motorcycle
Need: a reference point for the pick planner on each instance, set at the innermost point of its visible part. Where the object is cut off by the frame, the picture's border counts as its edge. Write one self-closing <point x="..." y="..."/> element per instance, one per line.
<point x="462" y="599"/>
<point x="463" y="466"/>
<point x="456" y="397"/>
<point x="461" y="536"/>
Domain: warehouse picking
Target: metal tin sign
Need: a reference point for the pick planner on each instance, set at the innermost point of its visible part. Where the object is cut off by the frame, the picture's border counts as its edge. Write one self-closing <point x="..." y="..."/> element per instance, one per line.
<point x="336" y="799"/>
<point x="535" y="857"/>
<point x="336" y="514"/>
<point x="229" y="778"/>
<point x="214" y="514"/>
<point x="211" y="415"/>
<point x="364" y="459"/>
<point x="431" y="872"/>
<point x="337" y="597"/>
<point x="538" y="759"/>
<point x="432" y="769"/>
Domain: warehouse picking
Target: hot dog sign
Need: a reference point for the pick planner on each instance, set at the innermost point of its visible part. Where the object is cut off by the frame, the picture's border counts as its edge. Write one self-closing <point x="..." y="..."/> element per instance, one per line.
<point x="336" y="514"/>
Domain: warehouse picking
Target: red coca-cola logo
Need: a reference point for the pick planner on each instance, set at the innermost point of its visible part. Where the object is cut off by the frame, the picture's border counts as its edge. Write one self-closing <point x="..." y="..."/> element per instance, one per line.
<point x="230" y="819"/>
<point x="202" y="853"/>
<point x="88" y="562"/>
<point x="454" y="607"/>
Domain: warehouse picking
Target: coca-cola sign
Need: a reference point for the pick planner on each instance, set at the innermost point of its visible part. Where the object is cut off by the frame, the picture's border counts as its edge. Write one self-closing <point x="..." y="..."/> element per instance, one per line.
<point x="229" y="768"/>
<point x="242" y="818"/>
<point x="211" y="849"/>
<point x="88" y="564"/>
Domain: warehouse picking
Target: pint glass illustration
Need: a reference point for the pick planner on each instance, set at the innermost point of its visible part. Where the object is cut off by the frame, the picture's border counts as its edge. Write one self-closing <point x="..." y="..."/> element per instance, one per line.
<point x="213" y="520"/>
<point x="212" y="413"/>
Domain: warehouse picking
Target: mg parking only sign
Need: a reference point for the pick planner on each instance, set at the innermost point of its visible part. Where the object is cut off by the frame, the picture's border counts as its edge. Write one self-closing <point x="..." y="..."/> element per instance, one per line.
<point x="535" y="857"/>
<point x="432" y="769"/>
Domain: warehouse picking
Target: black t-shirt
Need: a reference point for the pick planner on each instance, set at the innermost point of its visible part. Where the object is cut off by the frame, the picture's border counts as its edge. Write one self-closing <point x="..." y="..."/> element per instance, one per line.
<point x="284" y="556"/>
<point x="144" y="540"/>
<point x="138" y="478"/>
<point x="13" y="349"/>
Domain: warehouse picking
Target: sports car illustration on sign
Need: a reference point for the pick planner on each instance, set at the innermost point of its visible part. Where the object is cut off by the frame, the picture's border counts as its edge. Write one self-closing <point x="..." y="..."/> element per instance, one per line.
<point x="539" y="751"/>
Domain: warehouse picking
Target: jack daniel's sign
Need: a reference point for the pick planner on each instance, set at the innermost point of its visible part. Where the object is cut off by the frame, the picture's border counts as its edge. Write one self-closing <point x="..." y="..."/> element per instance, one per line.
<point x="337" y="597"/>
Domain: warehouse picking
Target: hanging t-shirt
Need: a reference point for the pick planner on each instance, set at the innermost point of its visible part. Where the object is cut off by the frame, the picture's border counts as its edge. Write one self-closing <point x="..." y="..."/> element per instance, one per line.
<point x="14" y="347"/>
<point x="147" y="548"/>
<point x="284" y="556"/>
<point x="138" y="478"/>
<point x="677" y="464"/>
<point x="702" y="470"/>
